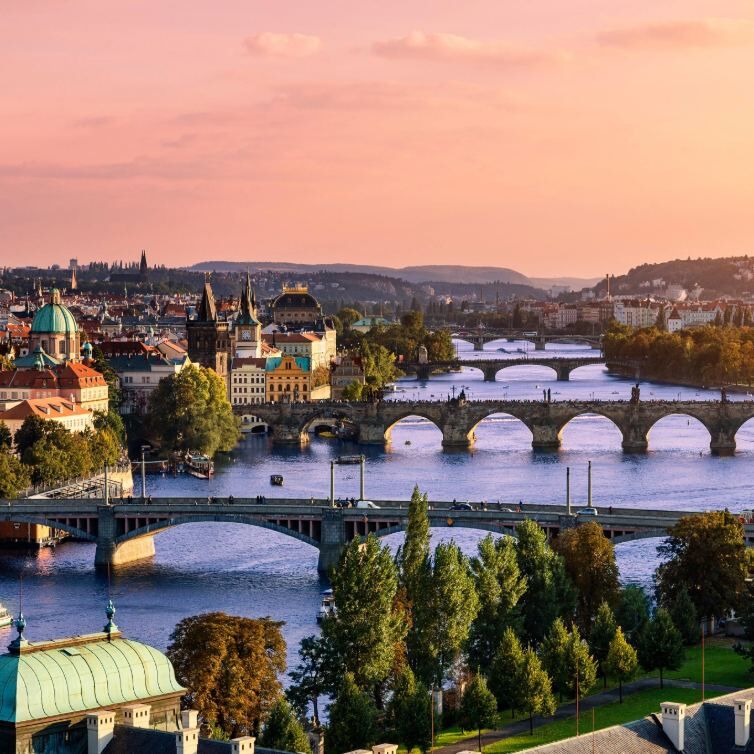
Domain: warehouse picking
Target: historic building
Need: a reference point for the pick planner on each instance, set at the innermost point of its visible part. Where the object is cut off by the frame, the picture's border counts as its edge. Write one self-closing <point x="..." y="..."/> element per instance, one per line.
<point x="68" y="414"/>
<point x="247" y="329"/>
<point x="209" y="337"/>
<point x="296" y="307"/>
<point x="132" y="275"/>
<point x="55" y="331"/>
<point x="346" y="369"/>
<point x="288" y="379"/>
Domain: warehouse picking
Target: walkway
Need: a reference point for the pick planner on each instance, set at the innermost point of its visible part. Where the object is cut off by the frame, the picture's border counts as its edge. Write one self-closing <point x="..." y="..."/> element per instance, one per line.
<point x="599" y="699"/>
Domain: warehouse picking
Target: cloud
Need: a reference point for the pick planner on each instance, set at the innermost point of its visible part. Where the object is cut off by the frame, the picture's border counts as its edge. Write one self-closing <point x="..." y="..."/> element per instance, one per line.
<point x="270" y="44"/>
<point x="709" y="32"/>
<point x="421" y="45"/>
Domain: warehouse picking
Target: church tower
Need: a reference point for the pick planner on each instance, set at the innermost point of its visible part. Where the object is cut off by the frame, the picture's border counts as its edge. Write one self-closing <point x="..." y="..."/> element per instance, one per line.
<point x="143" y="268"/>
<point x="247" y="330"/>
<point x="208" y="337"/>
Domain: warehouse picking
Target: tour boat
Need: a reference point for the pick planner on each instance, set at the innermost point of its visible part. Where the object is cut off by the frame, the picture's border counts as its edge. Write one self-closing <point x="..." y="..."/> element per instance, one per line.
<point x="5" y="617"/>
<point x="199" y="465"/>
<point x="327" y="608"/>
<point x="276" y="480"/>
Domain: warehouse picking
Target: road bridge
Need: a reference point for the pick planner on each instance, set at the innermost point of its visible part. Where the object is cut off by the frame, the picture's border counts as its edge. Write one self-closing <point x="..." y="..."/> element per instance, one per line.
<point x="478" y="337"/>
<point x="124" y="532"/>
<point x="457" y="419"/>
<point x="490" y="367"/>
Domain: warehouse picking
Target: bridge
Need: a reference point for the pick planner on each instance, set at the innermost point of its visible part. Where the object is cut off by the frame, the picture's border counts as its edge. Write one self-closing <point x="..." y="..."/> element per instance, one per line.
<point x="124" y="532"/>
<point x="478" y="337"/>
<point x="457" y="419"/>
<point x="490" y="367"/>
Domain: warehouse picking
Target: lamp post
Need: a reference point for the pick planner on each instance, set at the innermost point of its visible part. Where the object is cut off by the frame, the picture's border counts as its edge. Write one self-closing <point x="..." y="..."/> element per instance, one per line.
<point x="143" y="473"/>
<point x="589" y="484"/>
<point x="568" y="490"/>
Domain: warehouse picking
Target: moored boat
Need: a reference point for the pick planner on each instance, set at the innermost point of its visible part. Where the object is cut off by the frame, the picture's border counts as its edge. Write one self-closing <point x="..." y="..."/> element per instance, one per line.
<point x="199" y="465"/>
<point x="276" y="480"/>
<point x="327" y="608"/>
<point x="5" y="617"/>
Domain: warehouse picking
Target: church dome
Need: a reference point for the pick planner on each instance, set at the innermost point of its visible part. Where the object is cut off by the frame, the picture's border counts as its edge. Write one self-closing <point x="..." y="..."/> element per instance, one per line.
<point x="54" y="318"/>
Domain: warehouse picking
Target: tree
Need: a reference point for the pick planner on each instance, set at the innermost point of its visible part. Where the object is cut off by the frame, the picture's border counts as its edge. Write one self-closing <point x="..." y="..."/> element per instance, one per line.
<point x="348" y="316"/>
<point x="706" y="555"/>
<point x="621" y="661"/>
<point x="353" y="718"/>
<point x="6" y="438"/>
<point x="363" y="632"/>
<point x="535" y="688"/>
<point x="230" y="666"/>
<point x="661" y="644"/>
<point x="353" y="391"/>
<point x="444" y="614"/>
<point x="589" y="559"/>
<point x="33" y="429"/>
<point x="603" y="632"/>
<point x="478" y="707"/>
<point x="313" y="677"/>
<point x="632" y="612"/>
<point x="283" y="731"/>
<point x="101" y="365"/>
<point x="553" y="654"/>
<point x="684" y="617"/>
<point x="549" y="592"/>
<point x="378" y="364"/>
<point x="190" y="411"/>
<point x="321" y="376"/>
<point x="411" y="712"/>
<point x="505" y="671"/>
<point x="660" y="322"/>
<point x="413" y="555"/>
<point x="566" y="658"/>
<point x="14" y="476"/>
<point x="499" y="587"/>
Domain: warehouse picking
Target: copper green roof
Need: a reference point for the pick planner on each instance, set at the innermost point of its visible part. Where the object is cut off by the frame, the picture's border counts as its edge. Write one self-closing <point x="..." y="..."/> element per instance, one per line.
<point x="67" y="677"/>
<point x="54" y="318"/>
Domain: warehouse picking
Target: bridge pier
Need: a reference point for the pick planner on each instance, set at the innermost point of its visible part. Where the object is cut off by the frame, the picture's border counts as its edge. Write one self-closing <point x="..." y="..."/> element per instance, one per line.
<point x="490" y="373"/>
<point x="333" y="540"/>
<point x="539" y="344"/>
<point x="454" y="436"/>
<point x="563" y="371"/>
<point x="545" y="437"/>
<point x="722" y="442"/>
<point x="371" y="433"/>
<point x="109" y="553"/>
<point x="288" y="434"/>
<point x="478" y="344"/>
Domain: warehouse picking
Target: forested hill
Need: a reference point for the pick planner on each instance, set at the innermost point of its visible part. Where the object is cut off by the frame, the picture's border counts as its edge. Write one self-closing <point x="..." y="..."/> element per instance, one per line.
<point x="732" y="276"/>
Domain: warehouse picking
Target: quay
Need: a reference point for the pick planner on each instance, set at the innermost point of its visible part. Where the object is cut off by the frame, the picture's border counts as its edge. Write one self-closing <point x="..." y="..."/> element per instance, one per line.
<point x="124" y="531"/>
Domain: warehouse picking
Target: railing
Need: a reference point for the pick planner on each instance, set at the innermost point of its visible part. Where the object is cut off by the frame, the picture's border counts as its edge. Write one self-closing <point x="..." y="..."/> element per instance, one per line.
<point x="94" y="481"/>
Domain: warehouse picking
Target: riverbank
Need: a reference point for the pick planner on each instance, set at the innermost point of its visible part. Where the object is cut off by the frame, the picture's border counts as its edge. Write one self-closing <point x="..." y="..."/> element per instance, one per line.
<point x="616" y="370"/>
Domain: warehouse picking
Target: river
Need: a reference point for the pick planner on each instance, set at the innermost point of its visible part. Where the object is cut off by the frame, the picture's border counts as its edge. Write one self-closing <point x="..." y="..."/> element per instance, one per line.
<point x="256" y="572"/>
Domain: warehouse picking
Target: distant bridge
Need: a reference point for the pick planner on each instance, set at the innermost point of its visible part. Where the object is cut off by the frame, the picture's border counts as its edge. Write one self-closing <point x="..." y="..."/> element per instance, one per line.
<point x="457" y="420"/>
<point x="124" y="532"/>
<point x="478" y="337"/>
<point x="490" y="367"/>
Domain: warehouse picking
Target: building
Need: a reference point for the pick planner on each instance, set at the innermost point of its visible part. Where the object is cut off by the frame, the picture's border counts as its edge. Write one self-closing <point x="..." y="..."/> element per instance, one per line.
<point x="139" y="375"/>
<point x="288" y="379"/>
<point x="247" y="329"/>
<point x="247" y="381"/>
<point x="209" y="337"/>
<point x="346" y="369"/>
<point x="365" y="324"/>
<point x="311" y="345"/>
<point x="132" y="275"/>
<point x="719" y="726"/>
<point x="296" y="307"/>
<point x="70" y="415"/>
<point x="55" y="331"/>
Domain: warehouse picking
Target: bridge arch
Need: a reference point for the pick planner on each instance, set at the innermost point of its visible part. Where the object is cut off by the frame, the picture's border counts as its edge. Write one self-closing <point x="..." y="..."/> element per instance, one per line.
<point x="407" y="414"/>
<point x="533" y="363"/>
<point x="689" y="417"/>
<point x="74" y="531"/>
<point x="458" y="523"/>
<point x="325" y="415"/>
<point x="590" y="413"/>
<point x="516" y="427"/>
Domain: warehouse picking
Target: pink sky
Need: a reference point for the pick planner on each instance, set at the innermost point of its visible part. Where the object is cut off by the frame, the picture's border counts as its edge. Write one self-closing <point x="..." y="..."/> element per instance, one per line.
<point x="555" y="137"/>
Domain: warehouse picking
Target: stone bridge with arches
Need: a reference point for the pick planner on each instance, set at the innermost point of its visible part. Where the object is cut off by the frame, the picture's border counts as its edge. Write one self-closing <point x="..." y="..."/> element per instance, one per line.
<point x="289" y="423"/>
<point x="490" y="367"/>
<point x="124" y="532"/>
<point x="478" y="337"/>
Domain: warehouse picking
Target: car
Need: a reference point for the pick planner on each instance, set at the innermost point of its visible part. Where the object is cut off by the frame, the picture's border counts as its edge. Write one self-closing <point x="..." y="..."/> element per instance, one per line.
<point x="461" y="507"/>
<point x="366" y="504"/>
<point x="587" y="512"/>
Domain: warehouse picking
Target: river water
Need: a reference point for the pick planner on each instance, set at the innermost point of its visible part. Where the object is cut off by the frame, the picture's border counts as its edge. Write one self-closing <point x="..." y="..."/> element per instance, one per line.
<point x="256" y="572"/>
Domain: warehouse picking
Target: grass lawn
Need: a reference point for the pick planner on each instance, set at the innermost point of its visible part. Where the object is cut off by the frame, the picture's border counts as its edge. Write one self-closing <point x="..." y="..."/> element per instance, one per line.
<point x="721" y="665"/>
<point x="634" y="707"/>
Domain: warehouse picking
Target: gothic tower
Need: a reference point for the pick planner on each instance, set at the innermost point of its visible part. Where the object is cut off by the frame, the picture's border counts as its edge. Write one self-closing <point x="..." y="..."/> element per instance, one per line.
<point x="208" y="337"/>
<point x="247" y="330"/>
<point x="143" y="267"/>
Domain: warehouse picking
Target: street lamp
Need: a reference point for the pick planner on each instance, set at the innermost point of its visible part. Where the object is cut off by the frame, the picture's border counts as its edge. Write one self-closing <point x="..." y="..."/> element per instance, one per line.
<point x="143" y="473"/>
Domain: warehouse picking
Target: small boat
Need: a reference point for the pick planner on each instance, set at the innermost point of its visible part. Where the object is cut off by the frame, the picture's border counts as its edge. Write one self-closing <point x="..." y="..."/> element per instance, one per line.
<point x="349" y="460"/>
<point x="327" y="434"/>
<point x="327" y="608"/>
<point x="5" y="617"/>
<point x="276" y="480"/>
<point x="408" y="442"/>
<point x="199" y="465"/>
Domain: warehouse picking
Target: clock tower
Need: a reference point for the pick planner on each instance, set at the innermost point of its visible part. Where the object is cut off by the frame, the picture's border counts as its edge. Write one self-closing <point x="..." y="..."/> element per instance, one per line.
<point x="247" y="328"/>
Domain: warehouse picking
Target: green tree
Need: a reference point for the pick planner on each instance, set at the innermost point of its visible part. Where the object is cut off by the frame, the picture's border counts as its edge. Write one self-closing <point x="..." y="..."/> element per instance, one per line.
<point x="6" y="438"/>
<point x="589" y="559"/>
<point x="348" y="316"/>
<point x="660" y="322"/>
<point x="314" y="676"/>
<point x="353" y="719"/>
<point x="535" y="688"/>
<point x="553" y="652"/>
<point x="411" y="712"/>
<point x="632" y="612"/>
<point x="191" y="411"/>
<point x="499" y="587"/>
<point x="112" y="421"/>
<point x="505" y="671"/>
<point x="684" y="616"/>
<point x="603" y="632"/>
<point x="566" y="658"/>
<point x="353" y="391"/>
<point x="550" y="593"/>
<point x="364" y="631"/>
<point x="478" y="707"/>
<point x="706" y="555"/>
<point x="230" y="666"/>
<point x="444" y="614"/>
<point x="283" y="730"/>
<point x="621" y="662"/>
<point x="33" y="429"/>
<point x="378" y="364"/>
<point x="14" y="476"/>
<point x="661" y="644"/>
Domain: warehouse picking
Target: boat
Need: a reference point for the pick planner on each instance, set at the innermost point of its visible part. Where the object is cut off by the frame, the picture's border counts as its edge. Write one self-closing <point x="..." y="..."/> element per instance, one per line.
<point x="327" y="434"/>
<point x="199" y="465"/>
<point x="276" y="480"/>
<point x="327" y="608"/>
<point x="348" y="460"/>
<point x="5" y="617"/>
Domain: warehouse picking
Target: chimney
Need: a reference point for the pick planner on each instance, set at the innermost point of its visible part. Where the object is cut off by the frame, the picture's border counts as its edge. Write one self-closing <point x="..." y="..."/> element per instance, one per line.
<point x="189" y="718"/>
<point x="99" y="730"/>
<point x="243" y="745"/>
<point x="385" y="749"/>
<point x="673" y="722"/>
<point x="136" y="715"/>
<point x="187" y="739"/>
<point x="742" y="712"/>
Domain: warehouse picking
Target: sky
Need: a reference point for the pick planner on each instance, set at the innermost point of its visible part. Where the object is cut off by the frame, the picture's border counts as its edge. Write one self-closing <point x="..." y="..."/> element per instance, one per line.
<point x="558" y="137"/>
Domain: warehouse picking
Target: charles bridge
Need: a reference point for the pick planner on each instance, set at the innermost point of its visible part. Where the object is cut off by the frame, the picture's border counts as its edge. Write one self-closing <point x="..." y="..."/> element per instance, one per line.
<point x="124" y="532"/>
<point x="289" y="423"/>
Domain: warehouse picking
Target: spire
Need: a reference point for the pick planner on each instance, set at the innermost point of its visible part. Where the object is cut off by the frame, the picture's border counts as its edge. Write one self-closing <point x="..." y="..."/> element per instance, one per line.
<point x="143" y="264"/>
<point x="20" y="641"/>
<point x="207" y="309"/>
<point x="246" y="304"/>
<point x="110" y="627"/>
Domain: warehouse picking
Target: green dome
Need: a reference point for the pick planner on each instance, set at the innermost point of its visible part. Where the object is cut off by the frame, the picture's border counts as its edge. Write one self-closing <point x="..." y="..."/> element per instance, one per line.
<point x="54" y="318"/>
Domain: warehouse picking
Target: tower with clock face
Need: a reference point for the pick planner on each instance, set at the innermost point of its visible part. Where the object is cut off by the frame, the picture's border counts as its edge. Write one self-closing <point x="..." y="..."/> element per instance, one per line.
<point x="247" y="328"/>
